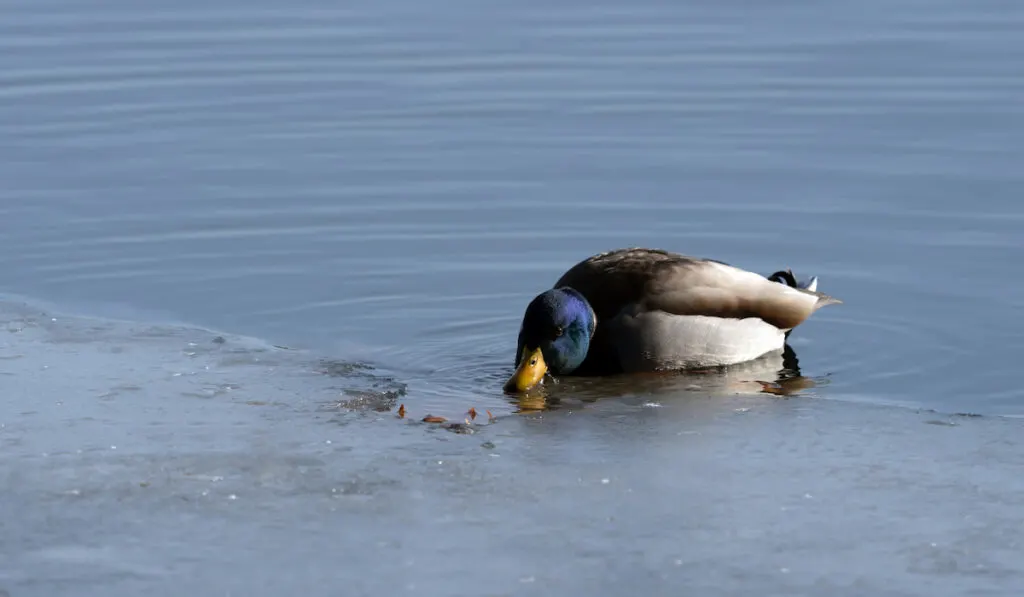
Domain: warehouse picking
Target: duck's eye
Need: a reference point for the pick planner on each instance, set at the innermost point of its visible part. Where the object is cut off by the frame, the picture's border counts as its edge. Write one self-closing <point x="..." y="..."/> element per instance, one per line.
<point x="558" y="331"/>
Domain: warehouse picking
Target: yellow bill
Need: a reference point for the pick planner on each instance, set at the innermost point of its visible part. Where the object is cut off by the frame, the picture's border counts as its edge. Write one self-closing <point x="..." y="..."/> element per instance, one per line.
<point x="529" y="373"/>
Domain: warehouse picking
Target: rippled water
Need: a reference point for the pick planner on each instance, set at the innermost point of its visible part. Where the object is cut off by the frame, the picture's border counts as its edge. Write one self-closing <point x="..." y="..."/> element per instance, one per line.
<point x="390" y="183"/>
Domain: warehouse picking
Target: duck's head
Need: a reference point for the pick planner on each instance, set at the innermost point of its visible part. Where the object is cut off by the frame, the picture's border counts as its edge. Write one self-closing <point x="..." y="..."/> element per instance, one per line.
<point x="553" y="338"/>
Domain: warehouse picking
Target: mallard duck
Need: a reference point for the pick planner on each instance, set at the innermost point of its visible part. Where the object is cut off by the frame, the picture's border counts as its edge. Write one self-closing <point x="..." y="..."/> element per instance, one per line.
<point x="644" y="310"/>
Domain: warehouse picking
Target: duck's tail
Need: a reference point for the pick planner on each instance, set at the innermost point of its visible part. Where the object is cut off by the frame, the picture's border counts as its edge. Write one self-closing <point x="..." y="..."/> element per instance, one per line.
<point x="811" y="285"/>
<point x="786" y="277"/>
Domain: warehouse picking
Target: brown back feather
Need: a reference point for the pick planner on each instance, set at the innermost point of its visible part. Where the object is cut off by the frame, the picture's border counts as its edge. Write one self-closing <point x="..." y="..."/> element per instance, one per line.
<point x="683" y="285"/>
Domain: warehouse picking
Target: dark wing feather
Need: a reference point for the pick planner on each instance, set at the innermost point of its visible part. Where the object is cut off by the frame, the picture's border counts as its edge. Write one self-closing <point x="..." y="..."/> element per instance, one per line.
<point x="683" y="285"/>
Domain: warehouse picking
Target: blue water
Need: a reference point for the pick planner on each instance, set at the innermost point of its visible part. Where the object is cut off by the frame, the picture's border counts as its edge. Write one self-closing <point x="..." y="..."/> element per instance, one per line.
<point x="391" y="182"/>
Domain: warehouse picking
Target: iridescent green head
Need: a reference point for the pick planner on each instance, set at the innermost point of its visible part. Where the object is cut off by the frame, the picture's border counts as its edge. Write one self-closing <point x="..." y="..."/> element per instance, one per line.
<point x="553" y="338"/>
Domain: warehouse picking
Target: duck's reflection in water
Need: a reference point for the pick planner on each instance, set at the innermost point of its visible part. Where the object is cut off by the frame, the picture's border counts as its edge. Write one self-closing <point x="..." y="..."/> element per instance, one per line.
<point x="776" y="374"/>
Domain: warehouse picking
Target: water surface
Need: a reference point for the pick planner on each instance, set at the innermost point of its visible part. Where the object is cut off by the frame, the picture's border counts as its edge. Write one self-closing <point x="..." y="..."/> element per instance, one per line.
<point x="390" y="183"/>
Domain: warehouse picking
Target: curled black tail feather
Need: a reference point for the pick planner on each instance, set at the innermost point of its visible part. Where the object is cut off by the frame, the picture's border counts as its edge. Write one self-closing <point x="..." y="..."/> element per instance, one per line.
<point x="784" y="277"/>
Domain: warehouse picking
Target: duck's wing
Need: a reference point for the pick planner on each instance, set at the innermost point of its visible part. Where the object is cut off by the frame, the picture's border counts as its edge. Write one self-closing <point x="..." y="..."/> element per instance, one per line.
<point x="716" y="289"/>
<point x="653" y="279"/>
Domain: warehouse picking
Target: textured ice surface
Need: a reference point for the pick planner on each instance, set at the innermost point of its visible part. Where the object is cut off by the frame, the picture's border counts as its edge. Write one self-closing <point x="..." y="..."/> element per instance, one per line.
<point x="162" y="460"/>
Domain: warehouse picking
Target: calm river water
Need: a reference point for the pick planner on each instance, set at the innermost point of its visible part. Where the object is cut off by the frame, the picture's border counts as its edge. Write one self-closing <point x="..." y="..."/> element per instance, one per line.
<point x="235" y="236"/>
